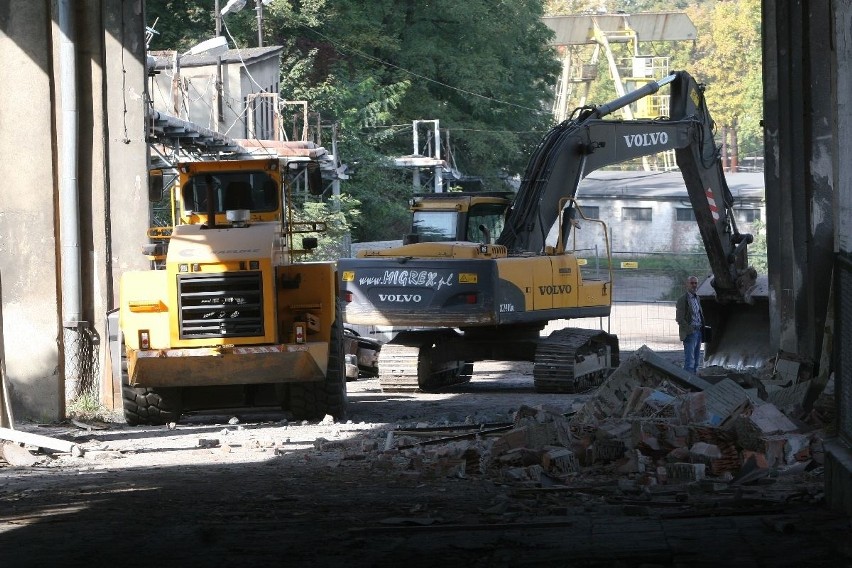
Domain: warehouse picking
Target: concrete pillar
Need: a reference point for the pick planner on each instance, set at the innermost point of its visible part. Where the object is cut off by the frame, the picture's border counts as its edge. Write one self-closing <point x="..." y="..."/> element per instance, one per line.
<point x="111" y="172"/>
<point x="838" y="462"/>
<point x="28" y="236"/>
<point x="799" y="117"/>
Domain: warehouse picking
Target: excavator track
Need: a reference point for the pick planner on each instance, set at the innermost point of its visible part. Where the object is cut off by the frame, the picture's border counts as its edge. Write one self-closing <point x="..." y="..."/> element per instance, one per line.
<point x="407" y="368"/>
<point x="574" y="360"/>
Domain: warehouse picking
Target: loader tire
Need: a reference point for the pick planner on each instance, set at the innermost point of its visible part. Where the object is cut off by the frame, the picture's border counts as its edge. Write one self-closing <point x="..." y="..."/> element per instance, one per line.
<point x="312" y="401"/>
<point x="148" y="406"/>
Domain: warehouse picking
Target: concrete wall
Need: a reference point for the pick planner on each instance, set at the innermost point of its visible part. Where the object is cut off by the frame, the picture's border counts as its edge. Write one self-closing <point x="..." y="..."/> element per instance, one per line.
<point x="199" y="102"/>
<point x="807" y="53"/>
<point x="28" y="243"/>
<point x="241" y="82"/>
<point x="799" y="118"/>
<point x="838" y="465"/>
<point x="41" y="355"/>
<point x="843" y="167"/>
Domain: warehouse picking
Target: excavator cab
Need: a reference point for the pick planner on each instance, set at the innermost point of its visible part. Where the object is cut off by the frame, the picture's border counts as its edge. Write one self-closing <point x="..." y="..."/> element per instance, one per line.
<point x="448" y="217"/>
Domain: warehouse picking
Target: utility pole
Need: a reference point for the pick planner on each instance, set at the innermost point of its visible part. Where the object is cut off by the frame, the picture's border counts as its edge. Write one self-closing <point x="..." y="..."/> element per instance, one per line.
<point x="259" y="9"/>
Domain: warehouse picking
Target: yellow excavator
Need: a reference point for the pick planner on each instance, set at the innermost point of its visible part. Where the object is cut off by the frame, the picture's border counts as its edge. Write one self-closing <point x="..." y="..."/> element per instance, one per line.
<point x="458" y="302"/>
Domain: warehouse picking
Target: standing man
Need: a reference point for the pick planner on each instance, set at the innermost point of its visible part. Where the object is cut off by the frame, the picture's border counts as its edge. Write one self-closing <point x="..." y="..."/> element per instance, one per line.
<point x="689" y="322"/>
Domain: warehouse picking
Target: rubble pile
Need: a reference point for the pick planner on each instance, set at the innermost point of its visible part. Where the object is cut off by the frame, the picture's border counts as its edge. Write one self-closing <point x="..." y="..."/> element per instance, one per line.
<point x="650" y="421"/>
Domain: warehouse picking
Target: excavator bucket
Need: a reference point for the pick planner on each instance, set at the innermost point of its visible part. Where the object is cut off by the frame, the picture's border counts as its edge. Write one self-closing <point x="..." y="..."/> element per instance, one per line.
<point x="740" y="329"/>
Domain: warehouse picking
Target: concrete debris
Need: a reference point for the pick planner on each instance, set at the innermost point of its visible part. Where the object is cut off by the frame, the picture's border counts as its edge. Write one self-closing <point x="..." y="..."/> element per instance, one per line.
<point x="790" y="400"/>
<point x="725" y="400"/>
<point x="683" y="472"/>
<point x="560" y="460"/>
<point x="650" y="422"/>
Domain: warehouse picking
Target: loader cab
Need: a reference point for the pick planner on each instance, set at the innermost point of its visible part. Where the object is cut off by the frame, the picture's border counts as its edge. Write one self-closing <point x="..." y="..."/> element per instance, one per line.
<point x="255" y="191"/>
<point x="457" y="217"/>
<point x="252" y="185"/>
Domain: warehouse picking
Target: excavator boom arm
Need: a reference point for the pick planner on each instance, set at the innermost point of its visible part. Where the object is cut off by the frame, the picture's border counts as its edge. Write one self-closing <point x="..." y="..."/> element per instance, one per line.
<point x="575" y="148"/>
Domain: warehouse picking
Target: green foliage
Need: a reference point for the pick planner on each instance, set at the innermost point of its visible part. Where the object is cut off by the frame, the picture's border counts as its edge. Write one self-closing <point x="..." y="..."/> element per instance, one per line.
<point x="383" y="192"/>
<point x="483" y="68"/>
<point x="87" y="407"/>
<point x="337" y="214"/>
<point x="440" y="61"/>
<point x="728" y="59"/>
<point x="757" y="250"/>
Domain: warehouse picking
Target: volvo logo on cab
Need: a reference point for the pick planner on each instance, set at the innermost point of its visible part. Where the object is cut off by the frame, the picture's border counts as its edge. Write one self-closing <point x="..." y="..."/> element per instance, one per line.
<point x="649" y="139"/>
<point x="401" y="298"/>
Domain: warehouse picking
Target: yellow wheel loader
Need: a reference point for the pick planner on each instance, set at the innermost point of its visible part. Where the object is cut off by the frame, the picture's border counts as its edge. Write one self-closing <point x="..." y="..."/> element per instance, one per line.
<point x="231" y="314"/>
<point x="469" y="300"/>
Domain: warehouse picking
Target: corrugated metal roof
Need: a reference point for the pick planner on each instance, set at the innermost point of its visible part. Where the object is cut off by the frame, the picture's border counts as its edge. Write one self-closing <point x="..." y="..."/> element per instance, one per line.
<point x="167" y="129"/>
<point x="165" y="59"/>
<point x="657" y="26"/>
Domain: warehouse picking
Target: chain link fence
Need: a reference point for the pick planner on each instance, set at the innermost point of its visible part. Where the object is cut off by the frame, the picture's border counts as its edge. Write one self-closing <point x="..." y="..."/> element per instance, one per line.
<point x="645" y="289"/>
<point x="82" y="363"/>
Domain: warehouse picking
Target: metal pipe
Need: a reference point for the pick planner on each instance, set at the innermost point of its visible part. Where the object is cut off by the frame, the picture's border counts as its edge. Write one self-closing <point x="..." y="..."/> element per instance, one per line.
<point x="69" y="201"/>
<point x="632" y="96"/>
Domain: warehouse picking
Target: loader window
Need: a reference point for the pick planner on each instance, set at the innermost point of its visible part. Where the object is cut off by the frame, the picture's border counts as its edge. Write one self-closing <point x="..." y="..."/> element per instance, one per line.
<point x="256" y="191"/>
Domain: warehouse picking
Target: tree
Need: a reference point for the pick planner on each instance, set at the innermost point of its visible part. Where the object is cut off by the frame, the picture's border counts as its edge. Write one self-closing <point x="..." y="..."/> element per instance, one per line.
<point x="380" y="65"/>
<point x="337" y="215"/>
<point x="484" y="70"/>
<point x="728" y="58"/>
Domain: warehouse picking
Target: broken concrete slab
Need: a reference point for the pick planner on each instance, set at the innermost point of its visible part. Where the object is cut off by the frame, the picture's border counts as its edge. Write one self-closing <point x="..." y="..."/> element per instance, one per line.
<point x="764" y="420"/>
<point x="790" y="400"/>
<point x="560" y="460"/>
<point x="663" y="365"/>
<point x="724" y="401"/>
<point x="644" y="368"/>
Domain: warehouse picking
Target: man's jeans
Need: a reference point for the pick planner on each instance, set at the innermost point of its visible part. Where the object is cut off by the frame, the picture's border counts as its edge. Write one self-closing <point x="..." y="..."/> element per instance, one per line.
<point x="692" y="351"/>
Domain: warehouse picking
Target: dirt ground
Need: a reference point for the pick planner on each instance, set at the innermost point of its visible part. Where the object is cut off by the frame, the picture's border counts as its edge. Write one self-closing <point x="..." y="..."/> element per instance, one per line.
<point x="253" y="489"/>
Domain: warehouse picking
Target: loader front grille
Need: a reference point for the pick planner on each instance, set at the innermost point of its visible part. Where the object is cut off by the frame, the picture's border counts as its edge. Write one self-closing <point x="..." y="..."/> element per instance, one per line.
<point x="220" y="305"/>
